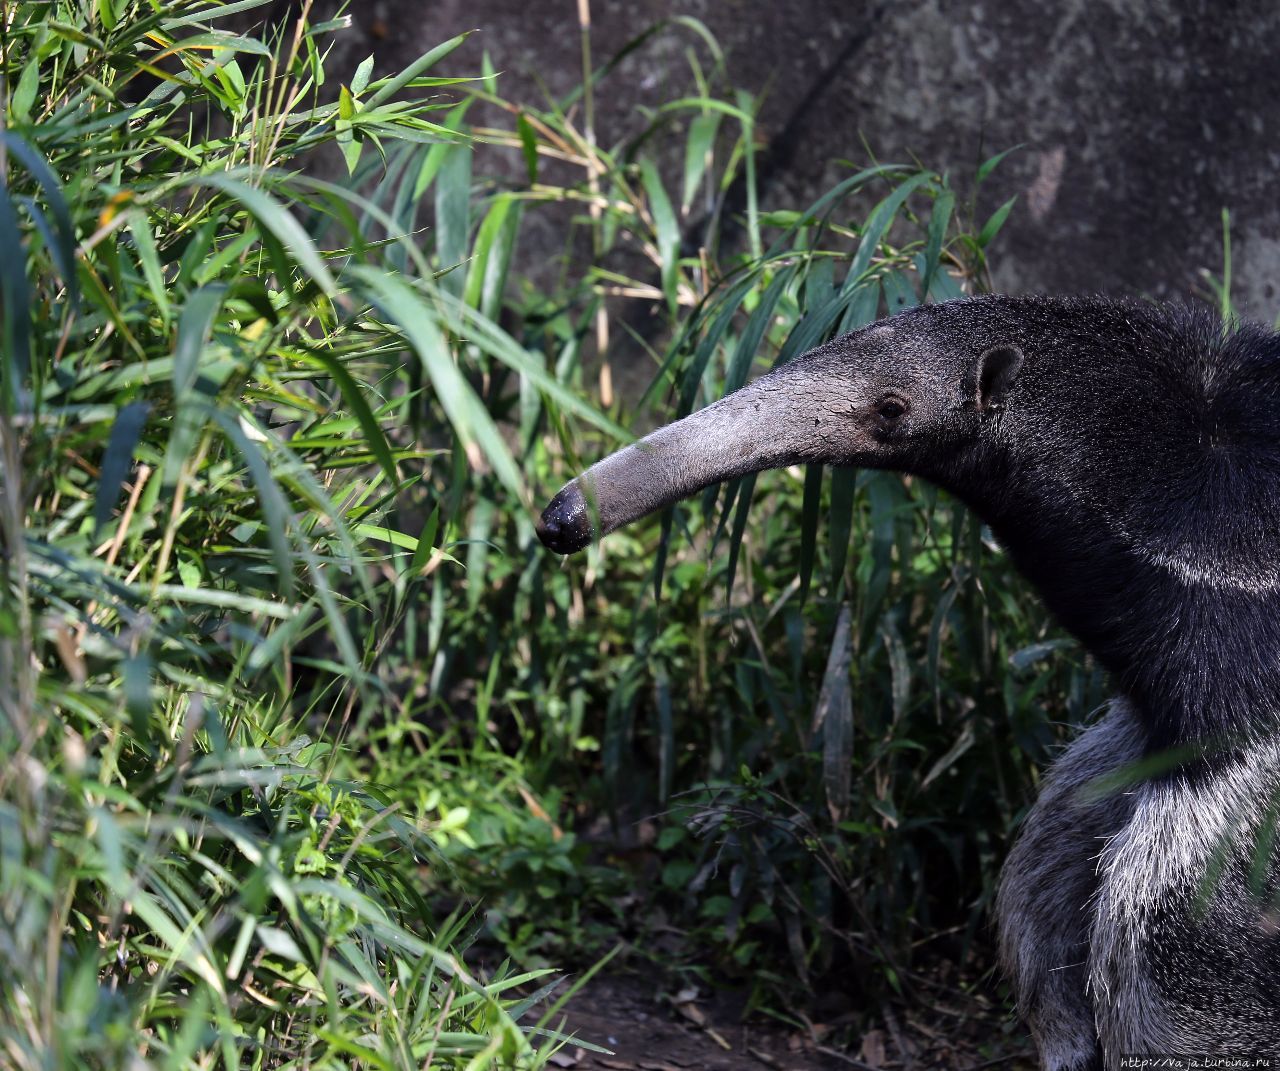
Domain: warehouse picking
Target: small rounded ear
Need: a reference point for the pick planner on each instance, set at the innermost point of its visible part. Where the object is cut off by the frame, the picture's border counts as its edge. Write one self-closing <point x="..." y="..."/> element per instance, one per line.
<point x="995" y="375"/>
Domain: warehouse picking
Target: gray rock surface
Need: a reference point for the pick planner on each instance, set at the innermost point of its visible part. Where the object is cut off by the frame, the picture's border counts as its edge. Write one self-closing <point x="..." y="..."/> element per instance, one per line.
<point x="1140" y="120"/>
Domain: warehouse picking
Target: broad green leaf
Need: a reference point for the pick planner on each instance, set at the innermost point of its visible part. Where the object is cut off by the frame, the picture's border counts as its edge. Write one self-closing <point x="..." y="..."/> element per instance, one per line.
<point x="991" y="163"/>
<point x="360" y="79"/>
<point x="117" y="460"/>
<point x="697" y="152"/>
<point x="453" y="214"/>
<point x="992" y="227"/>
<point x="667" y="230"/>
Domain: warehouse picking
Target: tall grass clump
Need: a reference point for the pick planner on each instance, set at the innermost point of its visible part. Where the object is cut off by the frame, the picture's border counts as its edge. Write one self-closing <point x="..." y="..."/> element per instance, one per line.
<point x="224" y="384"/>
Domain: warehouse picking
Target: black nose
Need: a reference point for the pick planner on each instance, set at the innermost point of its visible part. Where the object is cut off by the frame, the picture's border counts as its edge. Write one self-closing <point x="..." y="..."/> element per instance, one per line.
<point x="565" y="525"/>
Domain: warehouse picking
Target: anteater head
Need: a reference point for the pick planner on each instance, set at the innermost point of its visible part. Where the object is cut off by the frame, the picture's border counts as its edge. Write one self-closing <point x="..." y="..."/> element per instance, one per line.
<point x="1127" y="455"/>
<point x="908" y="393"/>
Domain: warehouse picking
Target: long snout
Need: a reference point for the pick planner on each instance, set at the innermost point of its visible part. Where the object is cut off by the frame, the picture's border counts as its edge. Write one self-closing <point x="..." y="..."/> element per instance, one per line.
<point x="797" y="413"/>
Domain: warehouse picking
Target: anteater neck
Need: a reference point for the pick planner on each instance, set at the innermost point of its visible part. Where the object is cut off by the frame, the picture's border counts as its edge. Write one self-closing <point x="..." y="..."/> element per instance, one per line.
<point x="1198" y="657"/>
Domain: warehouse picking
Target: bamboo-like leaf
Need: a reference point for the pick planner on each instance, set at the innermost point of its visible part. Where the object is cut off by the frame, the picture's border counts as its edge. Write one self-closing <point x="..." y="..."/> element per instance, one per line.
<point x="692" y="378"/>
<point x="992" y="227"/>
<point x="491" y="257"/>
<point x="15" y="308"/>
<point x="354" y="397"/>
<point x="864" y="307"/>
<point x="24" y="93"/>
<point x="209" y="14"/>
<point x="963" y="743"/>
<point x="697" y="150"/>
<point x="884" y="494"/>
<point x="360" y="80"/>
<point x="471" y="421"/>
<point x="878" y="223"/>
<point x="899" y="294"/>
<point x="426" y="543"/>
<point x="939" y="221"/>
<point x="899" y="668"/>
<point x="478" y="548"/>
<point x="497" y="343"/>
<point x="745" y="493"/>
<point x="528" y="147"/>
<point x="749" y="340"/>
<point x="453" y="214"/>
<point x="666" y="735"/>
<point x="144" y="242"/>
<point x="388" y="89"/>
<point x="933" y="648"/>
<point x="991" y="163"/>
<point x="195" y="326"/>
<point x="667" y="230"/>
<point x="223" y="41"/>
<point x="275" y="507"/>
<point x="117" y="460"/>
<point x="840" y="523"/>
<point x="279" y="221"/>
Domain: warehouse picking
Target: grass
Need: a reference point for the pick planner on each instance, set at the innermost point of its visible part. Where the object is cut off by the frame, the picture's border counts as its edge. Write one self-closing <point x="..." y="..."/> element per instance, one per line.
<point x="294" y="707"/>
<point x="218" y="405"/>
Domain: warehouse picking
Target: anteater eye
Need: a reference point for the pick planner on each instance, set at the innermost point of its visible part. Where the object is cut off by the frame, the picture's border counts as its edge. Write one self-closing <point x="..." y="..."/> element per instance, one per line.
<point x="891" y="408"/>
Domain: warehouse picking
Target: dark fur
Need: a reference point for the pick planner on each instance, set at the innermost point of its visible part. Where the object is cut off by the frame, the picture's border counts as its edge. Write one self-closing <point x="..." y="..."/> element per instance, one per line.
<point x="1128" y="456"/>
<point x="1136" y="431"/>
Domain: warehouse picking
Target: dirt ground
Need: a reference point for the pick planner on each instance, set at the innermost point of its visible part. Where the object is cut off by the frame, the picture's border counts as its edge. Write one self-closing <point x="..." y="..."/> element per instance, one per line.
<point x="647" y="1028"/>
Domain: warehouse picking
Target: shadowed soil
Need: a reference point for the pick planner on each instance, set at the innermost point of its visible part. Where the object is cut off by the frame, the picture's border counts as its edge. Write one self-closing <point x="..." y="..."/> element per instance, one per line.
<point x="648" y="1028"/>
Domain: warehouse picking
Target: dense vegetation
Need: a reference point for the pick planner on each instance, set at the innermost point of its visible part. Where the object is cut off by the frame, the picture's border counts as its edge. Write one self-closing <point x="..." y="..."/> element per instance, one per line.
<point x="294" y="706"/>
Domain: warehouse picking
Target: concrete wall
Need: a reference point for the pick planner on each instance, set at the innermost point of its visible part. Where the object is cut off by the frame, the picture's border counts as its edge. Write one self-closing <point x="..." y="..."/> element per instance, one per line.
<point x="1140" y="119"/>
